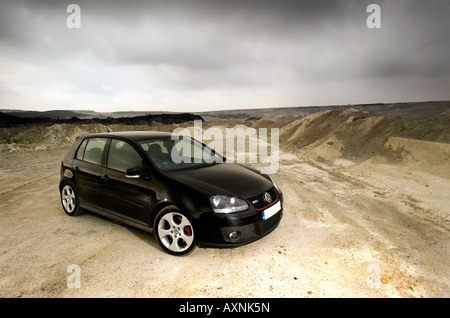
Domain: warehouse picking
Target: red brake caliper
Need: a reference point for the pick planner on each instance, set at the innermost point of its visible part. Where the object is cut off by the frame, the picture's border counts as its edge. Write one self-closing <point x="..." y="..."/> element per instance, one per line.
<point x="187" y="230"/>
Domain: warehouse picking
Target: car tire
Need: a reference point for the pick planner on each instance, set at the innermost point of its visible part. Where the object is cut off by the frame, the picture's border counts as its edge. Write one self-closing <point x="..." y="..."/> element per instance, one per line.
<point x="174" y="232"/>
<point x="69" y="200"/>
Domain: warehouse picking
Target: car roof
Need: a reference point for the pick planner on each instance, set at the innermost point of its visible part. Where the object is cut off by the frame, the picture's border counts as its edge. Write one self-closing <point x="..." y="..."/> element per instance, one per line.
<point x="132" y="135"/>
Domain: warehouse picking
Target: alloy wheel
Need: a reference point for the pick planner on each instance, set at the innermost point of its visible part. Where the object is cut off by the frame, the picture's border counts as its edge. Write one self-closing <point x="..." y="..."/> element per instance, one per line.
<point x="175" y="232"/>
<point x="68" y="199"/>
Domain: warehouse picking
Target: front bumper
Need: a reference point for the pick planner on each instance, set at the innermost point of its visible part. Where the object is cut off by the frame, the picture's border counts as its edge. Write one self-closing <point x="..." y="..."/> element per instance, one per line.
<point x="235" y="230"/>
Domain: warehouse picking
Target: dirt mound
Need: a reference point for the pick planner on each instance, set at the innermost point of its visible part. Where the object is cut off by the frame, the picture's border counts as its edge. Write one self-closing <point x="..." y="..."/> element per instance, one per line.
<point x="47" y="137"/>
<point x="428" y="156"/>
<point x="355" y="137"/>
<point x="342" y="137"/>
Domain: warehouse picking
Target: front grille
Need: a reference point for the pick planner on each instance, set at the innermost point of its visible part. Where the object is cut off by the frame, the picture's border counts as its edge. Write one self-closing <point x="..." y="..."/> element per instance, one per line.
<point x="260" y="203"/>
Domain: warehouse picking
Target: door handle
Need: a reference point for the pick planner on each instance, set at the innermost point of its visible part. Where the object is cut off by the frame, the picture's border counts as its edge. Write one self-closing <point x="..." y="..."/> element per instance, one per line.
<point x="104" y="179"/>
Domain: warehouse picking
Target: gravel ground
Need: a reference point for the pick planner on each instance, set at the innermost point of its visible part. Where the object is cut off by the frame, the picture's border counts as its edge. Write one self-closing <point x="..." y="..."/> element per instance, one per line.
<point x="369" y="230"/>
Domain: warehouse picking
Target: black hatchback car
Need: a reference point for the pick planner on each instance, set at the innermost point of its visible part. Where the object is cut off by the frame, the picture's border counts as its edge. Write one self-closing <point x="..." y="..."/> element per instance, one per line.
<point x="174" y="186"/>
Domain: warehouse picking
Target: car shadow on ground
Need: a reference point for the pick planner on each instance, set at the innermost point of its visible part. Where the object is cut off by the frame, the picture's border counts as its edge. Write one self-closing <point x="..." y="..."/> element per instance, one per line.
<point x="145" y="236"/>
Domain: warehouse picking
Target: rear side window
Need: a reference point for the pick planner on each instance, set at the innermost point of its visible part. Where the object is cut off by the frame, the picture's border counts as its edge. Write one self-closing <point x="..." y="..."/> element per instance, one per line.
<point x="91" y="150"/>
<point x="80" y="152"/>
<point x="122" y="156"/>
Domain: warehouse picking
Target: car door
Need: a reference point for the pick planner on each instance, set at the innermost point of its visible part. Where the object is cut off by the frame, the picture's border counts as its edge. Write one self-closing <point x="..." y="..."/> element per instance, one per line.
<point x="87" y="166"/>
<point x="125" y="197"/>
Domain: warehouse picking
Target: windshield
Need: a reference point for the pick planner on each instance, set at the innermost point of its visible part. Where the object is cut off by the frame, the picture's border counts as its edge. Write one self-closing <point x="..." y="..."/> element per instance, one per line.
<point x="179" y="152"/>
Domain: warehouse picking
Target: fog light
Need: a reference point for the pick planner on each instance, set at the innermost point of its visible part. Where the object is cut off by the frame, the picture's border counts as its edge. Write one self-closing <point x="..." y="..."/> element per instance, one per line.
<point x="234" y="235"/>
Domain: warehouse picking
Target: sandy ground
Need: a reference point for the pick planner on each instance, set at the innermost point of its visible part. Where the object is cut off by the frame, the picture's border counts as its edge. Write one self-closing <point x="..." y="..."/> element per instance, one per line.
<point x="369" y="229"/>
<point x="345" y="233"/>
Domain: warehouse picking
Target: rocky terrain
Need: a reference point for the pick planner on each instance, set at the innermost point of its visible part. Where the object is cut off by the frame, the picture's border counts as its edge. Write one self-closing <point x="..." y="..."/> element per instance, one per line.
<point x="366" y="214"/>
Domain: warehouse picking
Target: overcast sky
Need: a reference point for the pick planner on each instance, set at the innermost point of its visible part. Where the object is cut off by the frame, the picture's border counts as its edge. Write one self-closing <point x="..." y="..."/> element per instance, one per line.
<point x="192" y="55"/>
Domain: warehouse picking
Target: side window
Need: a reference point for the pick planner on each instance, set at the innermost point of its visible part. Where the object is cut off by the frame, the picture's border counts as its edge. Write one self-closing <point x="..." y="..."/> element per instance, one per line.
<point x="122" y="156"/>
<point x="80" y="152"/>
<point x="94" y="150"/>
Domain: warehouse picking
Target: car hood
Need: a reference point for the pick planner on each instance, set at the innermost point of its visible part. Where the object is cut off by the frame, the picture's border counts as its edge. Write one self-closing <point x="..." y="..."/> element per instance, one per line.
<point x="225" y="178"/>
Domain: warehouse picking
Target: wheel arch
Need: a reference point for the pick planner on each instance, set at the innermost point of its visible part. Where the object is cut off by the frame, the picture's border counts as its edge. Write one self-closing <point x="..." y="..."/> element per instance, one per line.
<point x="158" y="208"/>
<point x="65" y="181"/>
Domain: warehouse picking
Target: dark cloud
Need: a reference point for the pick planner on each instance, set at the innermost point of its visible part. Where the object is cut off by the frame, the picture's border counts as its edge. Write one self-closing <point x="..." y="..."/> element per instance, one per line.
<point x="278" y="52"/>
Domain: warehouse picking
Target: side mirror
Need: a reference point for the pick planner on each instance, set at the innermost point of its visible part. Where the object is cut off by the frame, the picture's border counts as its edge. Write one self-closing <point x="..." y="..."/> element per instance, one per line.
<point x="134" y="172"/>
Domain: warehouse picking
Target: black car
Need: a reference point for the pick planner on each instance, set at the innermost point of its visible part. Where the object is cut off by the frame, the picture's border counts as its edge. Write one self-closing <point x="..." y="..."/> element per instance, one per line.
<point x="174" y="186"/>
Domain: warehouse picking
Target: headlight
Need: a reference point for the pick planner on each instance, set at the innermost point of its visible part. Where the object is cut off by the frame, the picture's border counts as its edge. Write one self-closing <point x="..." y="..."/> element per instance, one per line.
<point x="226" y="204"/>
